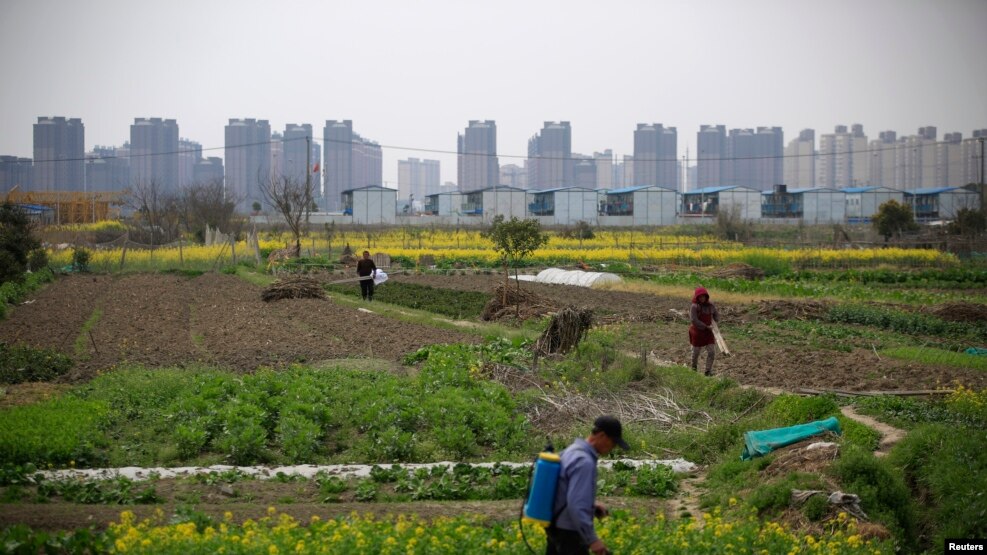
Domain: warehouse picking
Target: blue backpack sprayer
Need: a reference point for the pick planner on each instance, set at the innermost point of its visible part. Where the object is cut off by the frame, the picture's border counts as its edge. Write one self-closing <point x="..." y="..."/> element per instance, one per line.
<point x="539" y="507"/>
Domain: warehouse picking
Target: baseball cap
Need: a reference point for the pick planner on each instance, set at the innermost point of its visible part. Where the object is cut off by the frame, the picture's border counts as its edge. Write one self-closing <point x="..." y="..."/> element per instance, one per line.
<point x="610" y="426"/>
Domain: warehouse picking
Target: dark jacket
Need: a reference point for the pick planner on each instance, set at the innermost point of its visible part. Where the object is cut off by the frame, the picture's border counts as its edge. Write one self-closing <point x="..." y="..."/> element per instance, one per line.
<point x="701" y="317"/>
<point x="365" y="267"/>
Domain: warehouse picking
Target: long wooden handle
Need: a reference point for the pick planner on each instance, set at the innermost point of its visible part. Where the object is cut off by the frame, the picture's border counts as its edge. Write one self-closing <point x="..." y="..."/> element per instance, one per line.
<point x="719" y="339"/>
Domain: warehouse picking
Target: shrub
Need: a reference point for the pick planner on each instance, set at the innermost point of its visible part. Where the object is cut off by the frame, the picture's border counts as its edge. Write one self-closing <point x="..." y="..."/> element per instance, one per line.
<point x="946" y="466"/>
<point x="80" y="259"/>
<point x="790" y="410"/>
<point x="19" y="363"/>
<point x="882" y="490"/>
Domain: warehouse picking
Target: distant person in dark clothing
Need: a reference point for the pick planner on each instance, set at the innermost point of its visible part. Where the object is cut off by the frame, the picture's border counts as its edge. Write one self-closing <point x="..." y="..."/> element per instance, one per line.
<point x="571" y="531"/>
<point x="702" y="314"/>
<point x="367" y="271"/>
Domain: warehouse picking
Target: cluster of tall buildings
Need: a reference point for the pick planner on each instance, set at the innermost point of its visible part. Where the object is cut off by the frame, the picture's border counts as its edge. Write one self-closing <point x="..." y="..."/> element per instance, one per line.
<point x="254" y="153"/>
<point x="847" y="158"/>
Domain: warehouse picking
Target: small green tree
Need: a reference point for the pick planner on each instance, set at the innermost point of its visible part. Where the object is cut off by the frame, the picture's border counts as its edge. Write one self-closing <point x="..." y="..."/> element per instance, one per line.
<point x="514" y="240"/>
<point x="893" y="219"/>
<point x="16" y="242"/>
<point x="968" y="222"/>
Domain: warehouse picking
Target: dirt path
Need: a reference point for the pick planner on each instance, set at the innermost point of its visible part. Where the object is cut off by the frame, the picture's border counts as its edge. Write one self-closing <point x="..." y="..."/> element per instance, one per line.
<point x="890" y="436"/>
<point x="686" y="502"/>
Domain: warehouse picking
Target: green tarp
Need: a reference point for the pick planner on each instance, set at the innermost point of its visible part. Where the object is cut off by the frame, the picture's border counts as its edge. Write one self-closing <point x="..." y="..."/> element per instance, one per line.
<point x="762" y="442"/>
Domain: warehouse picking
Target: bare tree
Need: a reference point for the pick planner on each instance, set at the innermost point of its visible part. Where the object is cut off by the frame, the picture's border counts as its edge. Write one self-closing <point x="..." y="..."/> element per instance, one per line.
<point x="155" y="211"/>
<point x="291" y="199"/>
<point x="207" y="204"/>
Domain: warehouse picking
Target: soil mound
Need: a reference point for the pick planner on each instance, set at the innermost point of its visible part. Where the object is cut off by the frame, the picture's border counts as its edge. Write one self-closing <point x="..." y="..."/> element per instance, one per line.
<point x="960" y="312"/>
<point x="739" y="270"/>
<point x="293" y="287"/>
<point x="520" y="304"/>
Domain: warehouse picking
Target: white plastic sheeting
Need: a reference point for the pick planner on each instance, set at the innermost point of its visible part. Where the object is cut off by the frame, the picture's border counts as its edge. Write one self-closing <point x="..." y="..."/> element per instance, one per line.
<point x="572" y="277"/>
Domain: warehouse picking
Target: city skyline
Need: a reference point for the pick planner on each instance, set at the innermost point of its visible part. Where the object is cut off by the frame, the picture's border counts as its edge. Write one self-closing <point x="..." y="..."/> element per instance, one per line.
<point x="764" y="63"/>
<point x="756" y="158"/>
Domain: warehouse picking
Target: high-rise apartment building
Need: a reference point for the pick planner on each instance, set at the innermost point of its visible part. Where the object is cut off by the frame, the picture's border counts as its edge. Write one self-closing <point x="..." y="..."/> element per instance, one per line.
<point x="799" y="166"/>
<point x="107" y="168"/>
<point x="754" y="158"/>
<point x="59" y="149"/>
<point x="154" y="153"/>
<point x="208" y="170"/>
<point x="915" y="158"/>
<point x="550" y="157"/>
<point x="189" y="154"/>
<point x="16" y="171"/>
<point x="277" y="154"/>
<point x="418" y="178"/>
<point x="350" y="162"/>
<point x="513" y="175"/>
<point x="843" y="160"/>
<point x="584" y="172"/>
<point x="883" y="170"/>
<point x="711" y="156"/>
<point x="604" y="169"/>
<point x="296" y="164"/>
<point x="247" y="160"/>
<point x="478" y="167"/>
<point x="656" y="156"/>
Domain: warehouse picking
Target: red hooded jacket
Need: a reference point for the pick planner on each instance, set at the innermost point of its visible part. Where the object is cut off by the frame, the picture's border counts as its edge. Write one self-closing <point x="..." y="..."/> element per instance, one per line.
<point x="701" y="317"/>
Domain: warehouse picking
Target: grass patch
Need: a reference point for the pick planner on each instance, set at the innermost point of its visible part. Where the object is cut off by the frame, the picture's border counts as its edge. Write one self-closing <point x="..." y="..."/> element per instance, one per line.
<point x="59" y="431"/>
<point x="448" y="302"/>
<point x="20" y="363"/>
<point x="946" y="467"/>
<point x="939" y="357"/>
<point x="82" y="341"/>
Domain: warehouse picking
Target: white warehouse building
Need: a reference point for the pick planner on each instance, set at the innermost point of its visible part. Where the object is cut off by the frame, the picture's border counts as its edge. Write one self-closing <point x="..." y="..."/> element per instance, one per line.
<point x="941" y="203"/>
<point x="371" y="205"/>
<point x="707" y="202"/>
<point x="563" y="206"/>
<point x="816" y="205"/>
<point x="862" y="203"/>
<point x="642" y="206"/>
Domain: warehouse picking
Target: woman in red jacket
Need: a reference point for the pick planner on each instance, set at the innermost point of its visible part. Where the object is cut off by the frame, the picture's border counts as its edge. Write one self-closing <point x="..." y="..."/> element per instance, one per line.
<point x="702" y="314"/>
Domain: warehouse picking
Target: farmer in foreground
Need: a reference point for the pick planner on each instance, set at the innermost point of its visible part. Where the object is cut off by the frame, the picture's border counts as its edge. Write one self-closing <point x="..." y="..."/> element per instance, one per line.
<point x="367" y="271"/>
<point x="572" y="531"/>
<point x="702" y="315"/>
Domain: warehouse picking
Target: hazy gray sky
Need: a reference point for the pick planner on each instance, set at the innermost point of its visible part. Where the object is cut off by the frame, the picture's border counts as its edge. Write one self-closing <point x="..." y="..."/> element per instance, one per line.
<point x="413" y="73"/>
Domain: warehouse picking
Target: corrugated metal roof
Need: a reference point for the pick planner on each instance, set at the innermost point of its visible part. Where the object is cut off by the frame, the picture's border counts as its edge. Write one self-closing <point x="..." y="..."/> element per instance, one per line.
<point x="636" y="188"/>
<point x="710" y="190"/>
<point x="936" y="191"/>
<point x="370" y="188"/>
<point x="539" y="191"/>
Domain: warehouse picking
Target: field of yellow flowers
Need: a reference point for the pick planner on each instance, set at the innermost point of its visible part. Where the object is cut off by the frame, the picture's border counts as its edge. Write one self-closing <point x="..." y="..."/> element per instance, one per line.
<point x="470" y="249"/>
<point x="281" y="534"/>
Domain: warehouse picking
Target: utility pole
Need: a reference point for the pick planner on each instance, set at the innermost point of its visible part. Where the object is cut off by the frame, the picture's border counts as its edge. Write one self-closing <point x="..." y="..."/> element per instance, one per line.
<point x="308" y="178"/>
<point x="983" y="190"/>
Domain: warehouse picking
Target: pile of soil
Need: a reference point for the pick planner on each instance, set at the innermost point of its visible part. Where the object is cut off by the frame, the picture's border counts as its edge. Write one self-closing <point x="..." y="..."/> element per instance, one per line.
<point x="960" y="312"/>
<point x="293" y="287"/>
<point x="739" y="270"/>
<point x="521" y="304"/>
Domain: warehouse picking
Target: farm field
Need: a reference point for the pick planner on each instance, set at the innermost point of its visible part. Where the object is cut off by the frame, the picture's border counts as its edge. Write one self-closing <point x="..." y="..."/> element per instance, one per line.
<point x="182" y="368"/>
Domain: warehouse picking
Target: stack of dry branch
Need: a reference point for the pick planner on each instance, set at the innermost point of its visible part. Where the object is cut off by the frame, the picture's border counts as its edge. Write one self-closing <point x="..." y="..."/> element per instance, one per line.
<point x="568" y="327"/>
<point x="294" y="287"/>
<point x="559" y="408"/>
<point x="520" y="304"/>
<point x="960" y="312"/>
